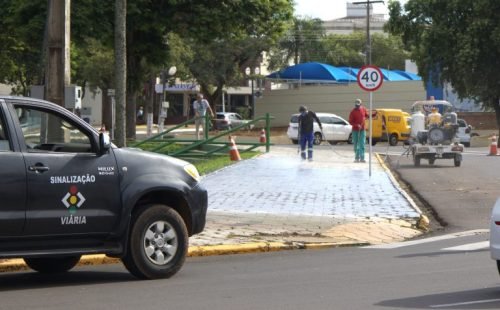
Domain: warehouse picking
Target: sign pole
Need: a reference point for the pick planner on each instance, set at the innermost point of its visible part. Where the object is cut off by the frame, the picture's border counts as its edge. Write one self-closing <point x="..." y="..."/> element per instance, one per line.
<point x="371" y="136"/>
<point x="370" y="79"/>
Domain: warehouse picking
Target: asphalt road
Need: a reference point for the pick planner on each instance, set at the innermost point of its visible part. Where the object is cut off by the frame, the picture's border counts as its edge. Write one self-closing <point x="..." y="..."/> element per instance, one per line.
<point x="426" y="275"/>
<point x="462" y="197"/>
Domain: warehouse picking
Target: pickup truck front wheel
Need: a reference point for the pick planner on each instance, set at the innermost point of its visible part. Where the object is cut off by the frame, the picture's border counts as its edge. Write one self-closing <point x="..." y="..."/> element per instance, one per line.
<point x="158" y="243"/>
<point x="52" y="264"/>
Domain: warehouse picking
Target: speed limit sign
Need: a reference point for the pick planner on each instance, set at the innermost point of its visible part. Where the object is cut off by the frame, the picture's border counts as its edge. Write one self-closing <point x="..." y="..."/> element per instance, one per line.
<point x="370" y="78"/>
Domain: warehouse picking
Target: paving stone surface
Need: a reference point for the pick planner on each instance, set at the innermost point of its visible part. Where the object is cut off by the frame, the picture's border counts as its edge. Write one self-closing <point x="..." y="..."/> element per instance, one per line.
<point x="279" y="197"/>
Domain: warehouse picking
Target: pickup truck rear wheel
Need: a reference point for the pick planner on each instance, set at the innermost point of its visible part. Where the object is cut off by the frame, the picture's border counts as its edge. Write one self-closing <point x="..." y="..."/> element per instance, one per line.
<point x="158" y="243"/>
<point x="52" y="264"/>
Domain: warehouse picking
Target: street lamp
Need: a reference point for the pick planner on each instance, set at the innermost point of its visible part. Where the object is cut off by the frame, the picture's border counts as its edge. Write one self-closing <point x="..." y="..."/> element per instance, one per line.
<point x="162" y="111"/>
<point x="248" y="72"/>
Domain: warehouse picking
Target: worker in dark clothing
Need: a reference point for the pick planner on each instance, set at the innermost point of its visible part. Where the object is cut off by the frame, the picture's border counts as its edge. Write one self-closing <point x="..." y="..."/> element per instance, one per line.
<point x="306" y="131"/>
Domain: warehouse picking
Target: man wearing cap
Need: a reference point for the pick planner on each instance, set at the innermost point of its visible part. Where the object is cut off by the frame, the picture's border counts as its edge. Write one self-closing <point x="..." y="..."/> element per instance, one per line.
<point x="306" y="131"/>
<point x="357" y="119"/>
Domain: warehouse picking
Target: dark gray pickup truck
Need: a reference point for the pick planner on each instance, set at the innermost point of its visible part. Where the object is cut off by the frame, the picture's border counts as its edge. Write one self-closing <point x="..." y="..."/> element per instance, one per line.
<point x="65" y="191"/>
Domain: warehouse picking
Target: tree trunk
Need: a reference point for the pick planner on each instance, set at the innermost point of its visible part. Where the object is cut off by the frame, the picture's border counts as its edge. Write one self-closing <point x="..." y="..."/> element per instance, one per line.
<point x="120" y="70"/>
<point x="149" y="105"/>
<point x="131" y="113"/>
<point x="106" y="110"/>
<point x="496" y="106"/>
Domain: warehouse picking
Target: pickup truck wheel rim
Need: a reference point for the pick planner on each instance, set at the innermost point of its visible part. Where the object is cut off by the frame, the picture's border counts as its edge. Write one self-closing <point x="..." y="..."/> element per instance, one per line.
<point x="160" y="243"/>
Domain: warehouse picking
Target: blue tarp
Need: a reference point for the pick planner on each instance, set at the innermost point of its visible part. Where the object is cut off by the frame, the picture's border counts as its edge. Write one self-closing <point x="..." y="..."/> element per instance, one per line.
<point x="313" y="72"/>
<point x="411" y="76"/>
<point x="318" y="72"/>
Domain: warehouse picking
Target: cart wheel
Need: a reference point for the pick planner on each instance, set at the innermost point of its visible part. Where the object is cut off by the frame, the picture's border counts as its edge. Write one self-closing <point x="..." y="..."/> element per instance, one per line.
<point x="416" y="160"/>
<point x="457" y="161"/>
<point x="431" y="161"/>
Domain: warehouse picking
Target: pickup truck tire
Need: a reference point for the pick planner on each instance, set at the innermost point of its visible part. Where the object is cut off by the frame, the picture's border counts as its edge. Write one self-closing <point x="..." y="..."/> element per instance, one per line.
<point x="158" y="243"/>
<point x="52" y="264"/>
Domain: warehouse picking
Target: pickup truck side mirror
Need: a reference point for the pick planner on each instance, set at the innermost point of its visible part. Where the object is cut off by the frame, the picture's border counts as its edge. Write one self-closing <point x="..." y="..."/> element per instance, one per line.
<point x="104" y="143"/>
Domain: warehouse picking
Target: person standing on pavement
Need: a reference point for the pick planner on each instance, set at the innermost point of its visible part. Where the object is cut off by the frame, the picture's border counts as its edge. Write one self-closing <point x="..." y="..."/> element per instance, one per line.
<point x="306" y="131"/>
<point x="200" y="107"/>
<point x="357" y="119"/>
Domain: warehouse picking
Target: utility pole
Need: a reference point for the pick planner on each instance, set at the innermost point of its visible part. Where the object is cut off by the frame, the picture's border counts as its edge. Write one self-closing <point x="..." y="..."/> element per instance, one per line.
<point x="368" y="4"/>
<point x="58" y="62"/>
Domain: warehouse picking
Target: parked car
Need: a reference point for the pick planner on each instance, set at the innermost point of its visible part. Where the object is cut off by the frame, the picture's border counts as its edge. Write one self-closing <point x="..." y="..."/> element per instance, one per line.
<point x="228" y="120"/>
<point x="495" y="234"/>
<point x="464" y="132"/>
<point x="335" y="129"/>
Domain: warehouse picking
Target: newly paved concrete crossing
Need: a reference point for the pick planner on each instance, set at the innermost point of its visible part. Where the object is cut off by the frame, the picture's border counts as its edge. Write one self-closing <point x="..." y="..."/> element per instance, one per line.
<point x="278" y="196"/>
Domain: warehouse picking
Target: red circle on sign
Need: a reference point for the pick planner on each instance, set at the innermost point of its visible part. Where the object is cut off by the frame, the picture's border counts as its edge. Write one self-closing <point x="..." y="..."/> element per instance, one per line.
<point x="370" y="78"/>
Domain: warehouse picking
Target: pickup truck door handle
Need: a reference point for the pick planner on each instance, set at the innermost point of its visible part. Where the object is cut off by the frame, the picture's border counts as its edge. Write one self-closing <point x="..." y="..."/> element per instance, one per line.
<point x="39" y="168"/>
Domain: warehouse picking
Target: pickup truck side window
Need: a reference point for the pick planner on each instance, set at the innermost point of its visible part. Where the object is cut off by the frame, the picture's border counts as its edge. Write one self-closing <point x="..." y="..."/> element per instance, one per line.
<point x="45" y="131"/>
<point x="4" y="139"/>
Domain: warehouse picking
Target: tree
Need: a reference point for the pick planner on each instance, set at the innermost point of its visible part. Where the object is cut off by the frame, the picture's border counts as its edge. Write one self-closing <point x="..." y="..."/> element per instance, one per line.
<point x="215" y="50"/>
<point x="454" y="41"/>
<point x="21" y="52"/>
<point x="301" y="43"/>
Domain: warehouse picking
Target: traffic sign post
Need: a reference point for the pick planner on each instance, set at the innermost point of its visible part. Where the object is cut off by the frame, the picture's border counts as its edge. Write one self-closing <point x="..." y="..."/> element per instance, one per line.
<point x="370" y="79"/>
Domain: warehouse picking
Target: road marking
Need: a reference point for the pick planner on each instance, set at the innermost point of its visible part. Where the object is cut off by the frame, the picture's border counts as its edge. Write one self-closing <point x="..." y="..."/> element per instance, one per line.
<point x="475" y="302"/>
<point x="470" y="247"/>
<point x="427" y="240"/>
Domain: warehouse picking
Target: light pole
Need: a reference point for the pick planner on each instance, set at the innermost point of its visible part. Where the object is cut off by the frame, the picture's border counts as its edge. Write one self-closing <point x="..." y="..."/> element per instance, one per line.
<point x="252" y="75"/>
<point x="162" y="111"/>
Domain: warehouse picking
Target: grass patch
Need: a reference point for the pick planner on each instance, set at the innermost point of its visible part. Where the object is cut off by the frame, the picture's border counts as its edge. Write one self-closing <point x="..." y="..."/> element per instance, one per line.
<point x="214" y="163"/>
<point x="204" y="165"/>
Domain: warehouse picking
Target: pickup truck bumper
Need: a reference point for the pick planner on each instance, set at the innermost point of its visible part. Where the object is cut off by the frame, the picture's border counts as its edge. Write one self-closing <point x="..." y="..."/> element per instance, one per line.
<point x="198" y="201"/>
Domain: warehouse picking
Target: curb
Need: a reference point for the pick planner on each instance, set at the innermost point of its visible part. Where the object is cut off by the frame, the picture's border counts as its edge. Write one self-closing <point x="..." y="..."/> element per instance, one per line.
<point x="423" y="222"/>
<point x="198" y="251"/>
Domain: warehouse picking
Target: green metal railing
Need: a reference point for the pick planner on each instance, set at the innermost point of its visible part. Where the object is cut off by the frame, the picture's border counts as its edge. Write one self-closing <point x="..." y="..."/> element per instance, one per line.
<point x="209" y="145"/>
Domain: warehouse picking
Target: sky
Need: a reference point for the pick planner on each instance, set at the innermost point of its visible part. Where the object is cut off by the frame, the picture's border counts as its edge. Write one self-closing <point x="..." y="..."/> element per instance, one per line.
<point x="331" y="9"/>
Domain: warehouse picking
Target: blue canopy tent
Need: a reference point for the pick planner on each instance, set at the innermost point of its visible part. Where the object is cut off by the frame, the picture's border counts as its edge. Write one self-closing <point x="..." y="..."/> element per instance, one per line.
<point x="389" y="75"/>
<point x="409" y="75"/>
<point x="313" y="72"/>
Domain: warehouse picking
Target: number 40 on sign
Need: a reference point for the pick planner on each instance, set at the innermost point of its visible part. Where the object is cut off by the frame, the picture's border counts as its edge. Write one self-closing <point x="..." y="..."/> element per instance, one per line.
<point x="370" y="78"/>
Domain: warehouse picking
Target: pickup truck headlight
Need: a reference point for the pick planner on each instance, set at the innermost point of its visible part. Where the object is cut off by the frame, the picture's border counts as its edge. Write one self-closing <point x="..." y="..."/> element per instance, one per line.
<point x="192" y="171"/>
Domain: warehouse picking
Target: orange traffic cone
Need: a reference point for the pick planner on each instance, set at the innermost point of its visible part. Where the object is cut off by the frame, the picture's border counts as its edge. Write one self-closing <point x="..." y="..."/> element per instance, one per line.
<point x="262" y="136"/>
<point x="234" y="154"/>
<point x="493" y="146"/>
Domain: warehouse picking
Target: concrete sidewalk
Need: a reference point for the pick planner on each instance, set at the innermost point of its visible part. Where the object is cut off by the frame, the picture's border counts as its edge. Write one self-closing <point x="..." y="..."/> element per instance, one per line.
<point x="276" y="201"/>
